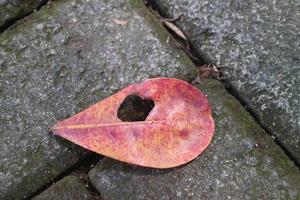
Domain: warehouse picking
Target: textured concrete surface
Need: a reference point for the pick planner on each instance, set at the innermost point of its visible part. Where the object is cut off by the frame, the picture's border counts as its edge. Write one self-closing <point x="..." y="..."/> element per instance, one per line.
<point x="69" y="188"/>
<point x="259" y="42"/>
<point x="59" y="61"/>
<point x="11" y="10"/>
<point x="242" y="162"/>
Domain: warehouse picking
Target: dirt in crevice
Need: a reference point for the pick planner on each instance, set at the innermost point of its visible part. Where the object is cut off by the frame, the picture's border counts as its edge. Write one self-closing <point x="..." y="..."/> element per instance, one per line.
<point x="80" y="170"/>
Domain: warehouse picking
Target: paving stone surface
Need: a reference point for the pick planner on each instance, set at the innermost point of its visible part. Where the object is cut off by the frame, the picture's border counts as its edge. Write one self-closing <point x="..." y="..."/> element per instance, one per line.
<point x="69" y="188"/>
<point x="242" y="162"/>
<point x="14" y="9"/>
<point x="260" y="43"/>
<point x="59" y="61"/>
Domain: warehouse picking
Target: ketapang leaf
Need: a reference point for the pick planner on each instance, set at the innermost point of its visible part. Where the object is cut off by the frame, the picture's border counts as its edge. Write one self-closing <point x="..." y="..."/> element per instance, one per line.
<point x="178" y="128"/>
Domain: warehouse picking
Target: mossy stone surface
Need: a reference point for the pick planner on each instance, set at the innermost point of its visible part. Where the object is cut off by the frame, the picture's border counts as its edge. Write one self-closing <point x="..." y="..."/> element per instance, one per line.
<point x="11" y="10"/>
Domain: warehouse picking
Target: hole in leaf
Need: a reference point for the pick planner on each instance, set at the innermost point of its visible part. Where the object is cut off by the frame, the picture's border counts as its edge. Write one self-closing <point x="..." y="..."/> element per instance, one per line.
<point x="134" y="108"/>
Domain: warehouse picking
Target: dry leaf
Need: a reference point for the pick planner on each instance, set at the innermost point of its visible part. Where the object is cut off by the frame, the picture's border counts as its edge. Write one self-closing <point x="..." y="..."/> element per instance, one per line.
<point x="120" y="22"/>
<point x="209" y="70"/>
<point x="175" y="29"/>
<point x="178" y="128"/>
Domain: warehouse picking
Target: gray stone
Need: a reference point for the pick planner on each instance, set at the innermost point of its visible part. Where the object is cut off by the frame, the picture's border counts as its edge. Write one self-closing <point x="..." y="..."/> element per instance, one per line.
<point x="69" y="187"/>
<point x="14" y="9"/>
<point x="259" y="42"/>
<point x="242" y="162"/>
<point x="59" y="61"/>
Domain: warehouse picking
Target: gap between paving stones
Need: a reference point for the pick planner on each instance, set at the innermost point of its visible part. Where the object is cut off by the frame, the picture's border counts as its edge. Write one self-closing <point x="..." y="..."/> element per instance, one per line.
<point x="234" y="92"/>
<point x="76" y="166"/>
<point x="13" y="21"/>
<point x="92" y="159"/>
<point x="266" y="80"/>
<point x="87" y="162"/>
<point x="70" y="187"/>
<point x="85" y="165"/>
<point x="230" y="89"/>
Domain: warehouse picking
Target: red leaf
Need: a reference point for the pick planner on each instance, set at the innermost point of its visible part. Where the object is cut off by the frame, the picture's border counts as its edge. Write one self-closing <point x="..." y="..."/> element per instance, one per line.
<point x="178" y="128"/>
